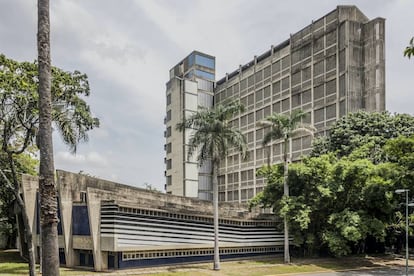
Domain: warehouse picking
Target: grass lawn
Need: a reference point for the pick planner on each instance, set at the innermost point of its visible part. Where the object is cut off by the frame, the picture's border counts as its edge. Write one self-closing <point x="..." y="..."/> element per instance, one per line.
<point x="11" y="264"/>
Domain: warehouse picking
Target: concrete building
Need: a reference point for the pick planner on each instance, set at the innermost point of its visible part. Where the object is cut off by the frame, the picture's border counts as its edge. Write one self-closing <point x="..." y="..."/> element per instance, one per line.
<point x="190" y="87"/>
<point x="333" y="66"/>
<point x="106" y="225"/>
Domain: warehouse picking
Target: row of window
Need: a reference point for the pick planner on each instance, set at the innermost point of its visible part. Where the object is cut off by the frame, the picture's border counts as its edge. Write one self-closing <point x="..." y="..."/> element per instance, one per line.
<point x="196" y="252"/>
<point x="193" y="218"/>
<point x="283" y="85"/>
<point x="325" y="65"/>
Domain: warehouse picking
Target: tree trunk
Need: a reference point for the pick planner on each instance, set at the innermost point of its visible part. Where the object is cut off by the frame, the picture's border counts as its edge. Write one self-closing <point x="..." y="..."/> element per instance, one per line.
<point x="216" y="215"/>
<point x="20" y="202"/>
<point x="286" y="193"/>
<point x="48" y="200"/>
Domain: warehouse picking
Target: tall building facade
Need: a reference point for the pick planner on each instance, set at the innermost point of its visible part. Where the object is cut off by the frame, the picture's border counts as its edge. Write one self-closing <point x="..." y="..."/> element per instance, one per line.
<point x="191" y="86"/>
<point x="333" y="66"/>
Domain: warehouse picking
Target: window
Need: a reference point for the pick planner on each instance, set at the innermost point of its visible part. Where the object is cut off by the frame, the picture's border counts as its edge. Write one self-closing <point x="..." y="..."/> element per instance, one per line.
<point x="296" y="100"/>
<point x="250" y="99"/>
<point x="168" y="147"/>
<point x="331" y="63"/>
<point x="285" y="105"/>
<point x="276" y="87"/>
<point x="331" y="87"/>
<point x="250" y="137"/>
<point x="331" y="111"/>
<point x="266" y="111"/>
<point x="251" y="80"/>
<point x="243" y="84"/>
<point x="243" y="101"/>
<point x="266" y="72"/>
<point x="205" y="61"/>
<point x="285" y="83"/>
<point x="266" y="92"/>
<point x="306" y="73"/>
<point x="318" y="68"/>
<point x="318" y="92"/>
<point x="168" y="132"/>
<point x="259" y="115"/>
<point x="306" y="96"/>
<point x="204" y="74"/>
<point x="168" y="118"/>
<point x="296" y="78"/>
<point x="168" y="99"/>
<point x="250" y="118"/>
<point x="205" y="100"/>
<point x="205" y="85"/>
<point x="276" y="67"/>
<point x="319" y="115"/>
<point x="259" y="76"/>
<point x="169" y="180"/>
<point x="285" y="62"/>
<point x="259" y="95"/>
<point x="169" y="164"/>
<point x="276" y="107"/>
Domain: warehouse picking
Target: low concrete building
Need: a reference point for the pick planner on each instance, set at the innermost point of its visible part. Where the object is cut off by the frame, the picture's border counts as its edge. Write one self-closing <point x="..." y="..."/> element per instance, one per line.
<point x="109" y="225"/>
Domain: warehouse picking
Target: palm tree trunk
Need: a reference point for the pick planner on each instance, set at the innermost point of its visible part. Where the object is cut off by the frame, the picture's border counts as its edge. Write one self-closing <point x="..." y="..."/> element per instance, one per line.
<point x="286" y="193"/>
<point x="216" y="215"/>
<point x="48" y="200"/>
<point x="26" y="224"/>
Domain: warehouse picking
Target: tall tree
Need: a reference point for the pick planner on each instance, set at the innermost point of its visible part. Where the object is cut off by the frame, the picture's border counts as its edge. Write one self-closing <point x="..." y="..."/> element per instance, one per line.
<point x="213" y="136"/>
<point x="284" y="127"/>
<point x="47" y="189"/>
<point x="19" y="117"/>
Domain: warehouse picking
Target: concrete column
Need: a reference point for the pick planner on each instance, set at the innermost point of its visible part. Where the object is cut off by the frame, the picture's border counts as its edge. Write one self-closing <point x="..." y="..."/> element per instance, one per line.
<point x="65" y="198"/>
<point x="29" y="188"/>
<point x="94" y="210"/>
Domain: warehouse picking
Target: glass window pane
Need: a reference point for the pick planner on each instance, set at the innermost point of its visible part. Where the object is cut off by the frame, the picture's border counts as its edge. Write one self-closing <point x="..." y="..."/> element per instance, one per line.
<point x="205" y="61"/>
<point x="204" y="74"/>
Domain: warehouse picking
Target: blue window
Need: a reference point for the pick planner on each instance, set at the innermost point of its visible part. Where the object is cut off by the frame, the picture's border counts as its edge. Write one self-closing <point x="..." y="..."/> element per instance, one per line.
<point x="205" y="61"/>
<point x="204" y="74"/>
<point x="191" y="60"/>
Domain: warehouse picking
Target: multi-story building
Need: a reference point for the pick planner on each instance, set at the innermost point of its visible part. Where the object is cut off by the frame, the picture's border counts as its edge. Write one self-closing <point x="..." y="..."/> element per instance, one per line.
<point x="190" y="86"/>
<point x="333" y="66"/>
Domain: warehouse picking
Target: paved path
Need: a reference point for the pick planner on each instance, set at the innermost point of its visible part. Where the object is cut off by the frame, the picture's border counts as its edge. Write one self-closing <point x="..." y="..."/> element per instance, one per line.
<point x="383" y="271"/>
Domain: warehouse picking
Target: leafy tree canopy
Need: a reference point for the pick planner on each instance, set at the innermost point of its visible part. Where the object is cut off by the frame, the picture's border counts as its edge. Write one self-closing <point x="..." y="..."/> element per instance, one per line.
<point x="342" y="198"/>
<point x="362" y="128"/>
<point x="19" y="113"/>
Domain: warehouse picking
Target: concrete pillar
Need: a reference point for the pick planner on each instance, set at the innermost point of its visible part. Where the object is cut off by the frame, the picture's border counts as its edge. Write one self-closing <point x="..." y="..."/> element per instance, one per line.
<point x="66" y="204"/>
<point x="94" y="211"/>
<point x="29" y="188"/>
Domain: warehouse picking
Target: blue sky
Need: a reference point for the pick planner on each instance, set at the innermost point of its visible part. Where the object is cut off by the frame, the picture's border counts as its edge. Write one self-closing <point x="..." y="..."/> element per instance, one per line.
<point x="127" y="48"/>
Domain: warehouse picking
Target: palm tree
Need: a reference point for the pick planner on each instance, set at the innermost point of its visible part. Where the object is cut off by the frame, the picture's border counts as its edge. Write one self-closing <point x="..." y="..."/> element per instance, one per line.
<point x="47" y="189"/>
<point x="409" y="50"/>
<point x="212" y="138"/>
<point x="284" y="127"/>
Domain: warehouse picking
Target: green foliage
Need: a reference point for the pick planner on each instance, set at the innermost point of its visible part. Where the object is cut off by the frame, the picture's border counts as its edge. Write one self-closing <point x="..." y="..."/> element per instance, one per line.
<point x="27" y="164"/>
<point x="19" y="112"/>
<point x="371" y="130"/>
<point x="409" y="50"/>
<point x="343" y="204"/>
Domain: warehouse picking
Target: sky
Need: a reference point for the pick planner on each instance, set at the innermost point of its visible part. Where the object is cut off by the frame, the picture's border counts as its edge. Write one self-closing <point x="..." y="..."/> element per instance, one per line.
<point x="127" y="47"/>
